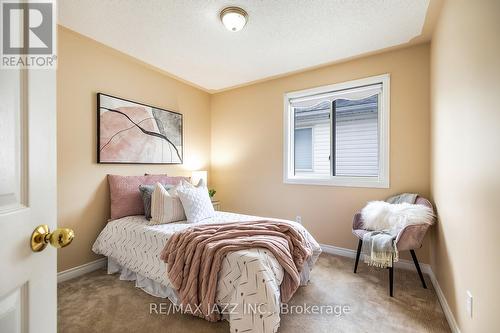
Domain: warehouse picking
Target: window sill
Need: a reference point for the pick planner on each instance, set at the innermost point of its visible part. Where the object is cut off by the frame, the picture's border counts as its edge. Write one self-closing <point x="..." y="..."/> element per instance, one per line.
<point x="370" y="182"/>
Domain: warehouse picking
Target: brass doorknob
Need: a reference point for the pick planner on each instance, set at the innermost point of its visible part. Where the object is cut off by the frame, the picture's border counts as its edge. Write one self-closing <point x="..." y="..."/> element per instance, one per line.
<point x="41" y="236"/>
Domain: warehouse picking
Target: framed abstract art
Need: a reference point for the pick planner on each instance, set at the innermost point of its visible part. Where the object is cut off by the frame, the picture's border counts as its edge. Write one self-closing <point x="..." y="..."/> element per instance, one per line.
<point x="134" y="133"/>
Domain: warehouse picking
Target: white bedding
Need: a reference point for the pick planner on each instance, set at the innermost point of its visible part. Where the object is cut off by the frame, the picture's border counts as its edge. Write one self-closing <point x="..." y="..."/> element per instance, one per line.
<point x="247" y="277"/>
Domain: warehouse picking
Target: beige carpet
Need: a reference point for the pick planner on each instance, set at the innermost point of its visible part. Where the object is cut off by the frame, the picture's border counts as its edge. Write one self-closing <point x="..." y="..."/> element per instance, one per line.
<point x="97" y="302"/>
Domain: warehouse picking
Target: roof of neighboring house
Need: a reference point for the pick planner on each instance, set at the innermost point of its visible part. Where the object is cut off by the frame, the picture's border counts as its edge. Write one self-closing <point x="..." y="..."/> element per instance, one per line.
<point x="321" y="111"/>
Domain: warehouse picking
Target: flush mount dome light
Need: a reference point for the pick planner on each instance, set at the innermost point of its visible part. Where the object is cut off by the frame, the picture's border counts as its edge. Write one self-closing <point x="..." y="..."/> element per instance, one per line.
<point x="233" y="18"/>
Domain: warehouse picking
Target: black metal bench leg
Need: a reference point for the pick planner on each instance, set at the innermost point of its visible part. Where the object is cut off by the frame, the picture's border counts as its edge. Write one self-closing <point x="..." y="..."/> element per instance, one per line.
<point x="391" y="280"/>
<point x="360" y="243"/>
<point x="391" y="277"/>
<point x="415" y="260"/>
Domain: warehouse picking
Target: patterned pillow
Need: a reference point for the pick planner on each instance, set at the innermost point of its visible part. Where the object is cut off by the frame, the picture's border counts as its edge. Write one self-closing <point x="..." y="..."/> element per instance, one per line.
<point x="166" y="207"/>
<point x="146" y="192"/>
<point x="195" y="200"/>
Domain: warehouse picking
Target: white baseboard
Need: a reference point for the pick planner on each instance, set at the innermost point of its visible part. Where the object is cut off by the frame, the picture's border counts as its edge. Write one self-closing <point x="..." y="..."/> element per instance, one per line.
<point x="405" y="264"/>
<point x="444" y="304"/>
<point x="81" y="270"/>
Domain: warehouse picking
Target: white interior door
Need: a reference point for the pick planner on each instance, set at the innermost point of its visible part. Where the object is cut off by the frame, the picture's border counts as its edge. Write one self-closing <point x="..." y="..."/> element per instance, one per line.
<point x="28" y="283"/>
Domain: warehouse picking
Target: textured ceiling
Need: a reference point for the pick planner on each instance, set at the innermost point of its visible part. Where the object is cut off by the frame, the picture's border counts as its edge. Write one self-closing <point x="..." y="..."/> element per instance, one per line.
<point x="187" y="39"/>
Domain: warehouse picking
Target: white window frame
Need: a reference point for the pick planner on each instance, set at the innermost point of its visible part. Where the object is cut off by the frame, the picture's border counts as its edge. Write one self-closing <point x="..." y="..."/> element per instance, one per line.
<point x="380" y="181"/>
<point x="312" y="148"/>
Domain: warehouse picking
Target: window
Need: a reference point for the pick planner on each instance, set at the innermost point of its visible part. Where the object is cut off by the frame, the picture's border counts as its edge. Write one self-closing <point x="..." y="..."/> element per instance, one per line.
<point x="338" y="134"/>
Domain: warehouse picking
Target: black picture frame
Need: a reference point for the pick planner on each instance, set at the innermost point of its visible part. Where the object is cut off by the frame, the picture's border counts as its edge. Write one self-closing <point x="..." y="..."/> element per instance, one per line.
<point x="99" y="107"/>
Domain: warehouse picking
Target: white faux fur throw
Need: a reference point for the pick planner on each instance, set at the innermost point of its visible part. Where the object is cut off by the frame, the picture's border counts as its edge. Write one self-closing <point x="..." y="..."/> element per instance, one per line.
<point x="380" y="215"/>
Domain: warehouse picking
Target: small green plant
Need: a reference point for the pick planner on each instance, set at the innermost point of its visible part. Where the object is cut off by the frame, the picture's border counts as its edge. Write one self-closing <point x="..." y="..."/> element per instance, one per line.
<point x="211" y="193"/>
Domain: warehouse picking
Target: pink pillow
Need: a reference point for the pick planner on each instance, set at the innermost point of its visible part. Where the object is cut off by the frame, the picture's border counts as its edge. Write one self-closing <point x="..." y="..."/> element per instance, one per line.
<point x="176" y="180"/>
<point x="125" y="195"/>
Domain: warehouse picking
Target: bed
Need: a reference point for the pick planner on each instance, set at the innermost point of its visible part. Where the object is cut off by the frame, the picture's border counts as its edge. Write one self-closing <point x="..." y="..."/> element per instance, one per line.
<point x="249" y="281"/>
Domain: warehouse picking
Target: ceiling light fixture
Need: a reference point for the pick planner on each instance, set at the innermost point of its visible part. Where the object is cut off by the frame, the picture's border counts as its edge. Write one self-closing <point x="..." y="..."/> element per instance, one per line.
<point x="233" y="18"/>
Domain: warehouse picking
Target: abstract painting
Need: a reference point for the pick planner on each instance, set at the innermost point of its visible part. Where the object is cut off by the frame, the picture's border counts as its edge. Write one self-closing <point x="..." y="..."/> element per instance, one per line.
<point x="131" y="132"/>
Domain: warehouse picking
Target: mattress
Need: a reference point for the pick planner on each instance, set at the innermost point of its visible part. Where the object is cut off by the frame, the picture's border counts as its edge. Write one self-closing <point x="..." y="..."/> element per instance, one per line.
<point x="247" y="277"/>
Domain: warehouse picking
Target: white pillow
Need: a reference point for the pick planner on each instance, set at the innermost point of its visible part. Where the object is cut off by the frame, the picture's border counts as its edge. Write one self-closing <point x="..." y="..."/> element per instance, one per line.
<point x="166" y="207"/>
<point x="195" y="200"/>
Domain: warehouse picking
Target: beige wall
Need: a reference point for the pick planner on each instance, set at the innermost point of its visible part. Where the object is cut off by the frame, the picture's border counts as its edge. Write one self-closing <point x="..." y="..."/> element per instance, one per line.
<point x="247" y="145"/>
<point x="86" y="67"/>
<point x="465" y="71"/>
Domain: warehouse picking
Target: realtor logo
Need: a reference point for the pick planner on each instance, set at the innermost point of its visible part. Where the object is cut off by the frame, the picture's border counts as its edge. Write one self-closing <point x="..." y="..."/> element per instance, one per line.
<point x="28" y="34"/>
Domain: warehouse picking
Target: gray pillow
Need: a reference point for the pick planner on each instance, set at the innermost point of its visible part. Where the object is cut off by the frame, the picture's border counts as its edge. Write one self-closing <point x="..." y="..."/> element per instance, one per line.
<point x="146" y="192"/>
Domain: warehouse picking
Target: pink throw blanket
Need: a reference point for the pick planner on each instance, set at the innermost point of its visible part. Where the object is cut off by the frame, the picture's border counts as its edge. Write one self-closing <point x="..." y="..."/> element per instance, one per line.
<point x="194" y="258"/>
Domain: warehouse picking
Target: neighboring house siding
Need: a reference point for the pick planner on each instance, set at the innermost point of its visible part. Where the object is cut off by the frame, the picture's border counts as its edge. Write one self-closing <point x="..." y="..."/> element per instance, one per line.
<point x="357" y="144"/>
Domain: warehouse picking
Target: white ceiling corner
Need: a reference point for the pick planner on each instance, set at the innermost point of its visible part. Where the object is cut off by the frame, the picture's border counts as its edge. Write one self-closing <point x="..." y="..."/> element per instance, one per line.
<point x="187" y="39"/>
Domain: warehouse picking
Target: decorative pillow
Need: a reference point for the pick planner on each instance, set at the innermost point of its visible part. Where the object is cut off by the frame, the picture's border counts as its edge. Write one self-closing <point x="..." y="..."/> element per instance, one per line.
<point x="166" y="207"/>
<point x="125" y="195"/>
<point x="176" y="180"/>
<point x="195" y="200"/>
<point x="146" y="192"/>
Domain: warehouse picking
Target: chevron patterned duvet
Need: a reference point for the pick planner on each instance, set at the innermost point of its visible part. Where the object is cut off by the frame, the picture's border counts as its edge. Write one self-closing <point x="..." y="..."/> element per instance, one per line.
<point x="248" y="288"/>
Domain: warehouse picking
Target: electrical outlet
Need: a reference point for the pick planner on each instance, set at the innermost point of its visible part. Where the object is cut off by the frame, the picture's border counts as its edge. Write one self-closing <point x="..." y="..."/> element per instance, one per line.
<point x="298" y="219"/>
<point x="469" y="304"/>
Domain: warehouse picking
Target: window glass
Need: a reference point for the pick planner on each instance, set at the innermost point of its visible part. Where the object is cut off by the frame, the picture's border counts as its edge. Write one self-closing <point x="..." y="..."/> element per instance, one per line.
<point x="356" y="137"/>
<point x="303" y="149"/>
<point x="312" y="138"/>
